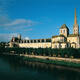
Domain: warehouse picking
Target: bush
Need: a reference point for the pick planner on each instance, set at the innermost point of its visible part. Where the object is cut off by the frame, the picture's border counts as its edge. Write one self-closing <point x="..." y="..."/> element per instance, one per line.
<point x="67" y="52"/>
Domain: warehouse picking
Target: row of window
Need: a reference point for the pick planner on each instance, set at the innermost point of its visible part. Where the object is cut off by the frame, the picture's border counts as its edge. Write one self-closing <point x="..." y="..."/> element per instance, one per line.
<point x="65" y="46"/>
<point x="33" y="41"/>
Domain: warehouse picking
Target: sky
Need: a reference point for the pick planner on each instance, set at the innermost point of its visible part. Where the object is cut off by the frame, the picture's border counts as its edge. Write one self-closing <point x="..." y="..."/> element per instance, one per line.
<point x="35" y="19"/>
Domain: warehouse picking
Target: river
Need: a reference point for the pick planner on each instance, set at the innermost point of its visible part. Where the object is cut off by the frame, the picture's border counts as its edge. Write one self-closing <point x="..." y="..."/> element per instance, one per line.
<point x="13" y="69"/>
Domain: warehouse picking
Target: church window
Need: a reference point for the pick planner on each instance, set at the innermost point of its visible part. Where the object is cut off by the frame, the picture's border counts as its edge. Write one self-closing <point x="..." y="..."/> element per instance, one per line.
<point x="63" y="31"/>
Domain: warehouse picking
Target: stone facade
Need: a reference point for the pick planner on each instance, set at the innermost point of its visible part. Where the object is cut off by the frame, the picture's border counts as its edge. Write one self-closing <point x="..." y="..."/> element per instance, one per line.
<point x="63" y="40"/>
<point x="34" y="43"/>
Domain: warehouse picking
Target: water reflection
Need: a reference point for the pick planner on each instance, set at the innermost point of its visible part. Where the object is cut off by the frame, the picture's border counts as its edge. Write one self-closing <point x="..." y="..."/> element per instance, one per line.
<point x="11" y="67"/>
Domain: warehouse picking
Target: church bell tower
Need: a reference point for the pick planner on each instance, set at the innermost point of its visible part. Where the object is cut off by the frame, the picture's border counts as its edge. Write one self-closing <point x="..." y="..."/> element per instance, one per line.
<point x="75" y="27"/>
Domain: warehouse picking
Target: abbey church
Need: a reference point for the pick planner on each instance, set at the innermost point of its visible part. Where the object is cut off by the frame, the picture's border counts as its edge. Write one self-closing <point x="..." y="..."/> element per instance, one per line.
<point x="63" y="40"/>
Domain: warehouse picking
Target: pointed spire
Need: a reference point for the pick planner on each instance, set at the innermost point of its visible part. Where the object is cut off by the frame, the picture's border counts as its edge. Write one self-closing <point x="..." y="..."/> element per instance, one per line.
<point x="75" y="20"/>
<point x="75" y="27"/>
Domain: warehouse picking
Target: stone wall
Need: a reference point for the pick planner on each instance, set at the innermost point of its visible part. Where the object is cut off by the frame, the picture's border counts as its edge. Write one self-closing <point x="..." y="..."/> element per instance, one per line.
<point x="35" y="45"/>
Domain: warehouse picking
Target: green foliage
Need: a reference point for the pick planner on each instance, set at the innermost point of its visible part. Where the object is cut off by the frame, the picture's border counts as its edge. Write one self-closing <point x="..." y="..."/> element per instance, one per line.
<point x="63" y="63"/>
<point x="66" y="52"/>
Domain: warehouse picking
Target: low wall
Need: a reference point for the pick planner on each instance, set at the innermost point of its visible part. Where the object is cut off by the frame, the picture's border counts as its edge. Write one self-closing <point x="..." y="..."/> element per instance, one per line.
<point x="53" y="58"/>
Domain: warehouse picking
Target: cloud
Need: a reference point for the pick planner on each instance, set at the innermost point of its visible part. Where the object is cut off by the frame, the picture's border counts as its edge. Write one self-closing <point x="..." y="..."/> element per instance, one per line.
<point x="17" y="25"/>
<point x="7" y="37"/>
<point x="8" y="25"/>
<point x="20" y="22"/>
<point x="26" y="38"/>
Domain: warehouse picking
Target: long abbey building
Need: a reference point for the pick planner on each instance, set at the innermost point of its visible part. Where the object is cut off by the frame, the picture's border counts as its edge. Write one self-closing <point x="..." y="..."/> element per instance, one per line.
<point x="63" y="40"/>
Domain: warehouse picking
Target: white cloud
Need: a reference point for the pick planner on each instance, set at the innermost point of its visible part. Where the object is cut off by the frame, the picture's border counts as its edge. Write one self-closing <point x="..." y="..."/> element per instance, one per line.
<point x="26" y="38"/>
<point x="9" y="25"/>
<point x="12" y="26"/>
<point x="20" y="22"/>
<point x="17" y="25"/>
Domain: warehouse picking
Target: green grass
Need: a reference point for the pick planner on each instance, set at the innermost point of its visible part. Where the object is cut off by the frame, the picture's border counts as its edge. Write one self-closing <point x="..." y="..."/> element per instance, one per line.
<point x="56" y="62"/>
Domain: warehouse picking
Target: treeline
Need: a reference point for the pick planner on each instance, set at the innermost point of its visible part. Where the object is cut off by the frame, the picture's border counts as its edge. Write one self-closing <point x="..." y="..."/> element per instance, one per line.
<point x="67" y="52"/>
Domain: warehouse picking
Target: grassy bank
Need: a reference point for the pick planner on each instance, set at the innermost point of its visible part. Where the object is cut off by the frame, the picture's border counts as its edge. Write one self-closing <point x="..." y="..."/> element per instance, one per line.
<point x="70" y="53"/>
<point x="56" y="62"/>
<point x="47" y="61"/>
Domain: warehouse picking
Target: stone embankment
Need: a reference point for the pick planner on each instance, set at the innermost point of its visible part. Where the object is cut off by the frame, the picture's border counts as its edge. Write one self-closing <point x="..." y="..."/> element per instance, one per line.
<point x="53" y="58"/>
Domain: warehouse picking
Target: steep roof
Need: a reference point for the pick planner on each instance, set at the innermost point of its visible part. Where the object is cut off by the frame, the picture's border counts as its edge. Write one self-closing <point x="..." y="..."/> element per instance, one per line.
<point x="64" y="26"/>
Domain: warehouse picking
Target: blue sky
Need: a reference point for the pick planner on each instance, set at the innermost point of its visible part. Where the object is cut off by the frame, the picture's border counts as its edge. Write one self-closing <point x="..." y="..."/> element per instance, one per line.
<point x="36" y="18"/>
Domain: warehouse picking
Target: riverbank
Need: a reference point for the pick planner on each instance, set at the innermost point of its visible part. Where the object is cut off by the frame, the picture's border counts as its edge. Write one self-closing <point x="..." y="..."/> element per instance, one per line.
<point x="53" y="60"/>
<point x="67" y="62"/>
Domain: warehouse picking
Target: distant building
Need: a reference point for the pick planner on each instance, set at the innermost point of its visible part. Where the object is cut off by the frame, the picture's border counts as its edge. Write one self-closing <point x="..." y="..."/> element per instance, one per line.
<point x="63" y="40"/>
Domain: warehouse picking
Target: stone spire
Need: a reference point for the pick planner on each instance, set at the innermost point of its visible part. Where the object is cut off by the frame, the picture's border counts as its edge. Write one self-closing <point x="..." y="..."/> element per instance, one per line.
<point x="75" y="19"/>
<point x="75" y="27"/>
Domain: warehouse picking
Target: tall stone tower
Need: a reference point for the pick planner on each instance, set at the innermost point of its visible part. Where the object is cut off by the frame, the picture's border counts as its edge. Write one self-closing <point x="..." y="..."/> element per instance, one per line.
<point x="75" y="26"/>
<point x="64" y="30"/>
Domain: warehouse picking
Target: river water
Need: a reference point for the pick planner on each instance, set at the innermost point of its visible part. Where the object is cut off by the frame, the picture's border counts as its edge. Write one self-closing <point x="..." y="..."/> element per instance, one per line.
<point x="13" y="69"/>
